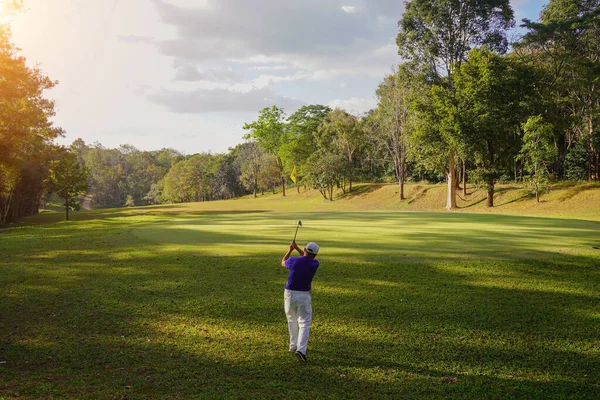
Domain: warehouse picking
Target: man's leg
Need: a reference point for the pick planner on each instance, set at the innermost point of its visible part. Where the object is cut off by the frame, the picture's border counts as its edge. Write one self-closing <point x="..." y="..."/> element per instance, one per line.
<point x="304" y="320"/>
<point x="292" y="318"/>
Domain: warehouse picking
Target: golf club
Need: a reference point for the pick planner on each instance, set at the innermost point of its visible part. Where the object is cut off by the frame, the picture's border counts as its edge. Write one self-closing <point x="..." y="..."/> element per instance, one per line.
<point x="297" y="226"/>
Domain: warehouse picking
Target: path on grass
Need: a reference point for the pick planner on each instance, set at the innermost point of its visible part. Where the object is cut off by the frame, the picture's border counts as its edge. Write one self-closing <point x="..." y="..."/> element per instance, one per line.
<point x="87" y="201"/>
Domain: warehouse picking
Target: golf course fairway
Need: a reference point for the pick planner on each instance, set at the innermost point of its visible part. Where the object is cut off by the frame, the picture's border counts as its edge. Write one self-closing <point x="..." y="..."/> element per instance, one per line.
<point x="406" y="305"/>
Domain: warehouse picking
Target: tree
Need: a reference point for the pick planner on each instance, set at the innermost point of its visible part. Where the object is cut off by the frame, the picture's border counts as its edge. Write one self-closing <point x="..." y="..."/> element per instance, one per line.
<point x="441" y="33"/>
<point x="324" y="170"/>
<point x="565" y="44"/>
<point x="68" y="179"/>
<point x="438" y="35"/>
<point x="227" y="182"/>
<point x="490" y="103"/>
<point x="395" y="118"/>
<point x="154" y="195"/>
<point x="345" y="133"/>
<point x="26" y="132"/>
<point x="192" y="179"/>
<point x="107" y="175"/>
<point x="302" y="128"/>
<point x="252" y="160"/>
<point x="268" y="177"/>
<point x="130" y="202"/>
<point x="269" y="132"/>
<point x="539" y="153"/>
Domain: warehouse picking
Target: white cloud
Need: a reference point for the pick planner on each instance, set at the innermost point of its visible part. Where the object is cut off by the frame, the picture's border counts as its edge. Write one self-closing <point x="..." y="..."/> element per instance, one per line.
<point x="220" y="46"/>
<point x="270" y="68"/>
<point x="354" y="105"/>
<point x="222" y="100"/>
<point x="191" y="73"/>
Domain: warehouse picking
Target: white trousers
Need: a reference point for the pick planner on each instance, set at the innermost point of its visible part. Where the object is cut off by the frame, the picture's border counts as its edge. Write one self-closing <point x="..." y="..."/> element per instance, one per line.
<point x="299" y="315"/>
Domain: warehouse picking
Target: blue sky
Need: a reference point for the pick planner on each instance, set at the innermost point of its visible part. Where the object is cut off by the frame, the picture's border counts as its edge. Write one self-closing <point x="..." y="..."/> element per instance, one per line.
<point x="187" y="74"/>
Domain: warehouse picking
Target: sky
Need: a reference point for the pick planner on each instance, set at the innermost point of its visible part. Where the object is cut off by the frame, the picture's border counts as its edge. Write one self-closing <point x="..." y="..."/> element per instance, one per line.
<point x="187" y="74"/>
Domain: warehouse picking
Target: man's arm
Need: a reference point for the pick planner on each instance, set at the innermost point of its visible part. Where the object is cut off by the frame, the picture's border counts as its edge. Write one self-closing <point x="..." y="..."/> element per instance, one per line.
<point x="293" y="246"/>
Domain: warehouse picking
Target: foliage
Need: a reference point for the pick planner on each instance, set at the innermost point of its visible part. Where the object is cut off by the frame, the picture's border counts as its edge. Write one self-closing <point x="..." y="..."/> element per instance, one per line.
<point x="343" y="134"/>
<point x="491" y="95"/>
<point x="324" y="170"/>
<point x="68" y="180"/>
<point x="26" y="132"/>
<point x="565" y="45"/>
<point x="538" y="153"/>
<point x="192" y="179"/>
<point x="252" y="159"/>
<point x="395" y="118"/>
<point x="269" y="131"/>
<point x="440" y="34"/>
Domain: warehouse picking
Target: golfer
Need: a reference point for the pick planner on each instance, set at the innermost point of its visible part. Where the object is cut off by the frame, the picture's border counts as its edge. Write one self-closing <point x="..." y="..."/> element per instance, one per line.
<point x="297" y="295"/>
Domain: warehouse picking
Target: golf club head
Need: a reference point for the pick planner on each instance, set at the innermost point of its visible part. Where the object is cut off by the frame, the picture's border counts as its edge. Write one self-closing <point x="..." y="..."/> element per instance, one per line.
<point x="299" y="223"/>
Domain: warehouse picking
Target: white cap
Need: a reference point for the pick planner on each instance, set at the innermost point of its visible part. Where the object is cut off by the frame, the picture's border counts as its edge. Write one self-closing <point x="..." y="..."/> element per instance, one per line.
<point x="312" y="248"/>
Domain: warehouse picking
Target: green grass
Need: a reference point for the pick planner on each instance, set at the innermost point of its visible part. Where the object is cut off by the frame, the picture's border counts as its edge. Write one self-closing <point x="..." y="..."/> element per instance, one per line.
<point x="187" y="302"/>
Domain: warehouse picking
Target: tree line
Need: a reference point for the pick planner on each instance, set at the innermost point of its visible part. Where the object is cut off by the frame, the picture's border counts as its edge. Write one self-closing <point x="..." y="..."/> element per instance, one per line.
<point x="465" y="107"/>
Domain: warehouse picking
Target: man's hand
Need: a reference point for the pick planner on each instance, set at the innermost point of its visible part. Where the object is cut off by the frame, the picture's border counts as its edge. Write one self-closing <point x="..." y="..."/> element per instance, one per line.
<point x="297" y="248"/>
<point x="293" y="246"/>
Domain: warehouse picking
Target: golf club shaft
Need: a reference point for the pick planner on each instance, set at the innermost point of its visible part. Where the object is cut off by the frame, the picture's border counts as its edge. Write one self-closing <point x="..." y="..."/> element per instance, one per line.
<point x="297" y="226"/>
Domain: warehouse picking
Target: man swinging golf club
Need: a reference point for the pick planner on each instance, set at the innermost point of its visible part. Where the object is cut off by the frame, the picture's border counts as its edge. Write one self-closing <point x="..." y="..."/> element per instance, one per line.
<point x="297" y="294"/>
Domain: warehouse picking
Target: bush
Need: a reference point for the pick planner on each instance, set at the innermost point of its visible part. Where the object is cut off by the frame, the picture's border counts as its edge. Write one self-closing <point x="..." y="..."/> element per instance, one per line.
<point x="576" y="162"/>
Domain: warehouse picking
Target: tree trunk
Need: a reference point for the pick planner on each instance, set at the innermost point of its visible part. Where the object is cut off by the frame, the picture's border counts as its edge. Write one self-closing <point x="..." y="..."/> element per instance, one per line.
<point x="67" y="209"/>
<point x="401" y="177"/>
<point x="464" y="177"/>
<point x="283" y="185"/>
<point x="451" y="200"/>
<point x="401" y="189"/>
<point x="490" y="195"/>
<point x="457" y="179"/>
<point x="537" y="196"/>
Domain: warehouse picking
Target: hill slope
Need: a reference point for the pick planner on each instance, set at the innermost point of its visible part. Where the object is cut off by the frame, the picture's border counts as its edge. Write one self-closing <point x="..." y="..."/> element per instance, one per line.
<point x="580" y="201"/>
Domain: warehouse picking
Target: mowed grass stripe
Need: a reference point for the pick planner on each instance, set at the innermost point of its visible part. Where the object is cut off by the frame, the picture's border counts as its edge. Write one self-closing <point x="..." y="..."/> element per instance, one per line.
<point x="424" y="305"/>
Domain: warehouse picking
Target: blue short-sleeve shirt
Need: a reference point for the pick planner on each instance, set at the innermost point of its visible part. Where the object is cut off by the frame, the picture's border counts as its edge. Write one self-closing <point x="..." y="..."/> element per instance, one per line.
<point x="301" y="273"/>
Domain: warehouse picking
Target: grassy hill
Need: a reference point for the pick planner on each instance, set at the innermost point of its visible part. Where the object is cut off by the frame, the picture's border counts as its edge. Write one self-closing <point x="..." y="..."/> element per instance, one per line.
<point x="564" y="201"/>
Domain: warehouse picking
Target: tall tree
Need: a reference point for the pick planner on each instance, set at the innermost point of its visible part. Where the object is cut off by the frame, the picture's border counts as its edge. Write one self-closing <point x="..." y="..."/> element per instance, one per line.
<point x="68" y="179"/>
<point x="347" y="136"/>
<point x="491" y="97"/>
<point x="269" y="131"/>
<point x="252" y="160"/>
<point x="227" y="181"/>
<point x="439" y="35"/>
<point x="26" y="129"/>
<point x="539" y="153"/>
<point x="395" y="119"/>
<point x="303" y="126"/>
<point x="565" y="44"/>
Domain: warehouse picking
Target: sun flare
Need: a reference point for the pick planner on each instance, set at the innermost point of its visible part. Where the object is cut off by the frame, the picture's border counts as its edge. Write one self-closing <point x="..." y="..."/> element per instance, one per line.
<point x="8" y="9"/>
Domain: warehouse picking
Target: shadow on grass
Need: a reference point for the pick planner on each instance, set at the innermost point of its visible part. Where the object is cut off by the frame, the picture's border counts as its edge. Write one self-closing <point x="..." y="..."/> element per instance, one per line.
<point x="107" y="213"/>
<point x="360" y="190"/>
<point x="105" y="314"/>
<point x="419" y="193"/>
<point x="576" y="188"/>
<point x="497" y="201"/>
